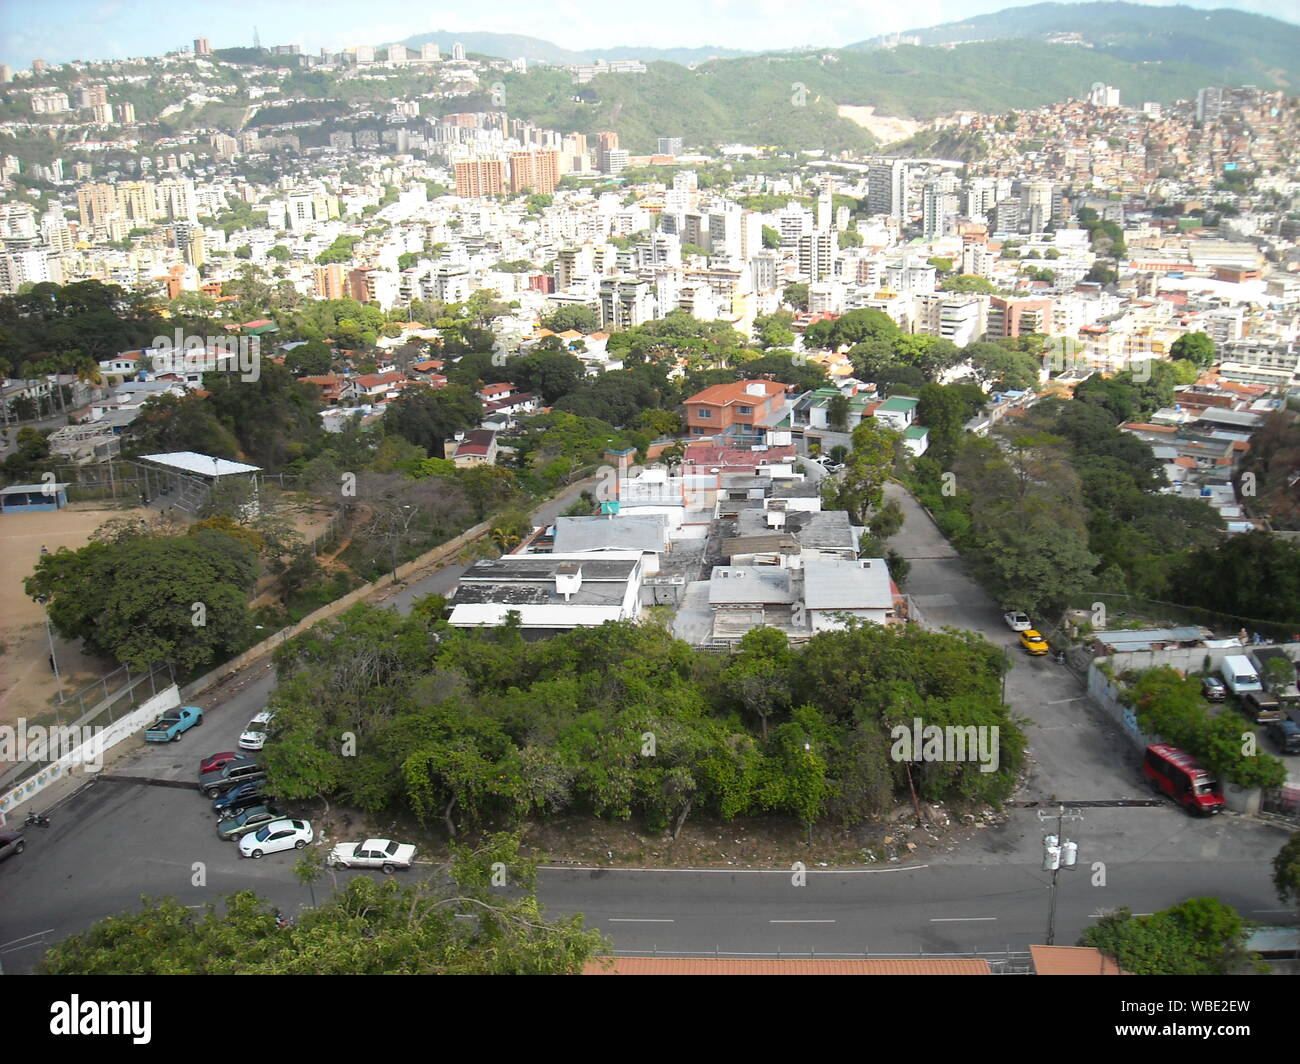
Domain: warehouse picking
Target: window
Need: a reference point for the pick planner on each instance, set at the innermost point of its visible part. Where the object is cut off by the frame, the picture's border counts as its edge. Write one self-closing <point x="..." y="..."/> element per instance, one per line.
<point x="744" y="410"/>
<point x="704" y="415"/>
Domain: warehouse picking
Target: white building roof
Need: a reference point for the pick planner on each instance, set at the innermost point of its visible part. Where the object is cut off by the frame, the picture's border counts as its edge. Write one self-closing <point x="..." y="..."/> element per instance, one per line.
<point x="204" y="465"/>
<point x="834" y="584"/>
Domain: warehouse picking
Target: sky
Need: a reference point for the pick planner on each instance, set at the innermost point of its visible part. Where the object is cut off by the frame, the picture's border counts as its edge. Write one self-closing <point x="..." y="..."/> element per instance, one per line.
<point x="61" y="30"/>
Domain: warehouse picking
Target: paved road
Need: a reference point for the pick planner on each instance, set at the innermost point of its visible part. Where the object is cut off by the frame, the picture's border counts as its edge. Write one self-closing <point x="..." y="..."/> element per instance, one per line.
<point x="1078" y="753"/>
<point x="118" y="840"/>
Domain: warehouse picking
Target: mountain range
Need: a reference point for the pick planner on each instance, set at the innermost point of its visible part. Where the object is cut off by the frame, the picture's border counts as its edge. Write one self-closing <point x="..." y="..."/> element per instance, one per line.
<point x="1021" y="57"/>
<point x="534" y="49"/>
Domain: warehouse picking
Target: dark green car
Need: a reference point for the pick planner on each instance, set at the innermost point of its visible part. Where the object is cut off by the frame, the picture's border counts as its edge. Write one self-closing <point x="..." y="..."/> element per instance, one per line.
<point x="248" y="820"/>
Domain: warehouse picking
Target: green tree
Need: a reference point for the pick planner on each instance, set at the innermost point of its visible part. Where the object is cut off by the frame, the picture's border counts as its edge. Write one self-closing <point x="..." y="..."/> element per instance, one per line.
<point x="969" y="282"/>
<point x="311" y="359"/>
<point x="147" y="600"/>
<point x="861" y="486"/>
<point x="1286" y="872"/>
<point x="1196" y="348"/>
<point x="1200" y="936"/>
<point x="771" y="238"/>
<point x="577" y="318"/>
<point x="428" y="417"/>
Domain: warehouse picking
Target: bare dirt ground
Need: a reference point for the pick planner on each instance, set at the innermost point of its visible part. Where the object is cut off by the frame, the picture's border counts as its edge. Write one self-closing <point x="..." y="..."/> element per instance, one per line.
<point x="766" y="843"/>
<point x="884" y="128"/>
<point x="27" y="685"/>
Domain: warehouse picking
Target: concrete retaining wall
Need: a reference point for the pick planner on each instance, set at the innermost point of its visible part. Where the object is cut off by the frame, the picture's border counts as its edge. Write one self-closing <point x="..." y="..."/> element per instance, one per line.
<point x="333" y="609"/>
<point x="104" y="739"/>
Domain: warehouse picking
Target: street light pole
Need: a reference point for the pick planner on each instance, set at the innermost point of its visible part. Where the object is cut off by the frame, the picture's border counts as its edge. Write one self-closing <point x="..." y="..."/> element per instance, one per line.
<point x="54" y="661"/>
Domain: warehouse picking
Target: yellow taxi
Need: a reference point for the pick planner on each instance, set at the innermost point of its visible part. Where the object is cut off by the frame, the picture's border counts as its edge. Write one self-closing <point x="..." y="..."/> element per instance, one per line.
<point x="1033" y="642"/>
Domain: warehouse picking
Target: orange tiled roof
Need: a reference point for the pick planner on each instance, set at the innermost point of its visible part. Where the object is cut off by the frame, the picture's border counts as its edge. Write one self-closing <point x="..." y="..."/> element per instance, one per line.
<point x="735" y="392"/>
<point x="1073" y="960"/>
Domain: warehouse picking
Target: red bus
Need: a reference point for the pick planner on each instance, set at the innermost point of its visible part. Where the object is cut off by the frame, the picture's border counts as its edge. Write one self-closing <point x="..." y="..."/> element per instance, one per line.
<point x="1176" y="774"/>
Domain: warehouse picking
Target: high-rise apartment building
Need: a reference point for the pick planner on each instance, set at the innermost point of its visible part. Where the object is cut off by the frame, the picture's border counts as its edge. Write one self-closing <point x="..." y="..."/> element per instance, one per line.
<point x="536" y="171"/>
<point x="124" y="113"/>
<point x="887" y="187"/>
<point x="458" y="52"/>
<point x="202" y="47"/>
<point x="476" y="178"/>
<point x="327" y="281"/>
<point x="670" y="145"/>
<point x="816" y="254"/>
<point x="97" y="203"/>
<point x="613" y="160"/>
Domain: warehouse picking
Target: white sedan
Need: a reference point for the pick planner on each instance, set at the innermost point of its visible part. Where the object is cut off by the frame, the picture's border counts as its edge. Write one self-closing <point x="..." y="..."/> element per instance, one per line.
<point x="373" y="853"/>
<point x="254" y="736"/>
<point x="1018" y="621"/>
<point x="276" y="836"/>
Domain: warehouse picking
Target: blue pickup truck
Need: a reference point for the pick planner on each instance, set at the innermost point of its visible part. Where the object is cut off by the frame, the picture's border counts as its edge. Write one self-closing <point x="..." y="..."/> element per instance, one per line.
<point x="169" y="726"/>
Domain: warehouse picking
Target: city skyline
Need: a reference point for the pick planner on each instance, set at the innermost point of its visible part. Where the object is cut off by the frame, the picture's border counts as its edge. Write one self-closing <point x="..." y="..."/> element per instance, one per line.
<point x="92" y="30"/>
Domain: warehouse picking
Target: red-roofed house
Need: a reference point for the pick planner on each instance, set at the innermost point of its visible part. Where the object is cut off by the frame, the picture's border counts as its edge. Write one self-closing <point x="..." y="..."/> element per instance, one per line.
<point x="743" y="410"/>
<point x="372" y="387"/>
<point x="330" y="385"/>
<point x="479" y="447"/>
<point x="491" y="392"/>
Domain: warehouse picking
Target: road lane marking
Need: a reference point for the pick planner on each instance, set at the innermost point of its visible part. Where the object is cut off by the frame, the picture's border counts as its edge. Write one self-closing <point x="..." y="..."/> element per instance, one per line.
<point x="637" y="920"/>
<point x="5" y="946"/>
<point x="959" y="919"/>
<point x="801" y="921"/>
<point x="1062" y="701"/>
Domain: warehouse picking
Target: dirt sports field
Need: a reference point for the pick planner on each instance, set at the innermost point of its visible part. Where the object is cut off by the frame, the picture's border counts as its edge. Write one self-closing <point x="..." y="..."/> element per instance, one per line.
<point x="27" y="687"/>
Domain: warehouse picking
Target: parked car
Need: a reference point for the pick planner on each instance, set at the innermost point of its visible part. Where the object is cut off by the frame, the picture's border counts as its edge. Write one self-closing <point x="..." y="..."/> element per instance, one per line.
<point x="172" y="724"/>
<point x="253" y="737"/>
<point x="241" y="770"/>
<point x="239" y="798"/>
<point x="373" y="853"/>
<point x="1212" y="689"/>
<point x="249" y="820"/>
<point x="276" y="836"/>
<point x="1261" y="707"/>
<point x="1033" y="642"/>
<point x="216" y="762"/>
<point x="11" y="842"/>
<point x="1177" y="775"/>
<point x="1018" y="621"/>
<point x="1285" y="734"/>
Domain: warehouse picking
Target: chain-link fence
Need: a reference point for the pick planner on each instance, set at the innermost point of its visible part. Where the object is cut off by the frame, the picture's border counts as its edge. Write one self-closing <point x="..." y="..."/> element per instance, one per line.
<point x="104" y="702"/>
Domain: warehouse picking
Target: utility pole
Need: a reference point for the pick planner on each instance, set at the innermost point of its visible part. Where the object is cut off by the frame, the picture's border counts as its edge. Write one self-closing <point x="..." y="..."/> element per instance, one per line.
<point x="1058" y="852"/>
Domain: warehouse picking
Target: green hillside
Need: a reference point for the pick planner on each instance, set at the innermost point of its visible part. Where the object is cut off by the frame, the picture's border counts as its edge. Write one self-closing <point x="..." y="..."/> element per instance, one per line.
<point x="754" y="99"/>
<point x="1233" y="47"/>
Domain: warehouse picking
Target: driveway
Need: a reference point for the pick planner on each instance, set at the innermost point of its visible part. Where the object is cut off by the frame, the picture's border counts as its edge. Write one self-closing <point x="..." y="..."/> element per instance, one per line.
<point x="1077" y="754"/>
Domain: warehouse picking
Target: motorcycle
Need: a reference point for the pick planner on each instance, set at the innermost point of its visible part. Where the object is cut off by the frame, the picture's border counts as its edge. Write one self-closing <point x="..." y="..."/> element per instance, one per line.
<point x="38" y="820"/>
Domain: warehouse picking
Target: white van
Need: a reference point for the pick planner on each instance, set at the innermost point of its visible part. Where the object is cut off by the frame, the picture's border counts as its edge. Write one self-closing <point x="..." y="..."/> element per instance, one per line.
<point x="1240" y="675"/>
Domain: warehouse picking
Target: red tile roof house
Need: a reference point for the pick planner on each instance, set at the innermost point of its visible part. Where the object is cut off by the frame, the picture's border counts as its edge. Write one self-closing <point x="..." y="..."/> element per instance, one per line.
<point x="489" y="392"/>
<point x="330" y="385"/>
<point x="479" y="447"/>
<point x="740" y="412"/>
<point x="369" y="387"/>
